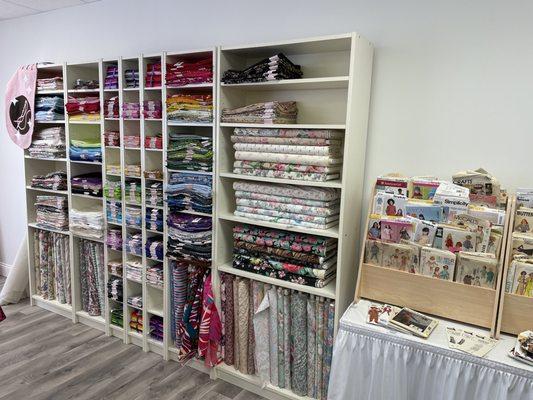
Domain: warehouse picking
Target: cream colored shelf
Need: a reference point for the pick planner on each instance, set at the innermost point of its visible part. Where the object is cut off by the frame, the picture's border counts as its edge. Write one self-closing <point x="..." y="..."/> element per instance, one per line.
<point x="334" y="82"/>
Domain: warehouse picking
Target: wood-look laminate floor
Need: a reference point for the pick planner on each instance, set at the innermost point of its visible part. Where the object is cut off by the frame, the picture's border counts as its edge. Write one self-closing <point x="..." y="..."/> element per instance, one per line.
<point x="44" y="356"/>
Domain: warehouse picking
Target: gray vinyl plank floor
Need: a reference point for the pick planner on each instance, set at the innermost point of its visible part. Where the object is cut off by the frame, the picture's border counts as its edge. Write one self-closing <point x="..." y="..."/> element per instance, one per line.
<point x="44" y="356"/>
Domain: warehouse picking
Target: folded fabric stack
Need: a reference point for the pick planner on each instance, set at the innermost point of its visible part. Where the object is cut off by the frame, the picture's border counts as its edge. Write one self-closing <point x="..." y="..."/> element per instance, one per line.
<point x="56" y="180"/>
<point x="154" y="219"/>
<point x="85" y="84"/>
<point x="298" y="258"/>
<point x="156" y="328"/>
<point x="92" y="269"/>
<point x="134" y="271"/>
<point x="152" y="109"/>
<point x="272" y="112"/>
<point x="87" y="223"/>
<point x="154" y="194"/>
<point x="48" y="143"/>
<point x="114" y="212"/>
<point x="131" y="77"/>
<point x="289" y="205"/>
<point x="190" y="152"/>
<point x="282" y="335"/>
<point x="190" y="108"/>
<point x="132" y="170"/>
<point x="136" y="321"/>
<point x="134" y="243"/>
<point x="83" y="108"/>
<point x="132" y="141"/>
<point x="154" y="174"/>
<point x="189" y="72"/>
<point x="154" y="275"/>
<point x="112" y="138"/>
<point x="49" y="108"/>
<point x="154" y="248"/>
<point x="133" y="191"/>
<point x="111" y="108"/>
<point x="113" y="190"/>
<point x="153" y="75"/>
<point x="189" y="239"/>
<point x="86" y="150"/>
<point x="113" y="169"/>
<point x="111" y="77"/>
<point x="136" y="301"/>
<point x="300" y="154"/>
<point x="114" y="239"/>
<point x="269" y="69"/>
<point x="89" y="184"/>
<point x="190" y="191"/>
<point x="52" y="266"/>
<point x="117" y="317"/>
<point x="52" y="212"/>
<point x="131" y="110"/>
<point x="115" y="268"/>
<point x="133" y="217"/>
<point x="54" y="83"/>
<point x="114" y="289"/>
<point x="153" y="142"/>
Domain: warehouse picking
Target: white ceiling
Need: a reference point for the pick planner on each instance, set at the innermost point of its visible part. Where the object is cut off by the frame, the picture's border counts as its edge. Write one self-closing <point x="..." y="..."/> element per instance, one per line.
<point x="20" y="8"/>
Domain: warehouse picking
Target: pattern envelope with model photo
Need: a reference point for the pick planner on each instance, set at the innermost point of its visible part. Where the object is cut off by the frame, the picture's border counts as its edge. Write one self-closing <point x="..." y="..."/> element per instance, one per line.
<point x="476" y="270"/>
<point x="437" y="263"/>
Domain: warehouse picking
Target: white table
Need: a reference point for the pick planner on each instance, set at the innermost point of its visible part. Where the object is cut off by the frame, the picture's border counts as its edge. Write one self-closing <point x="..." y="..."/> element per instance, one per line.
<point x="376" y="363"/>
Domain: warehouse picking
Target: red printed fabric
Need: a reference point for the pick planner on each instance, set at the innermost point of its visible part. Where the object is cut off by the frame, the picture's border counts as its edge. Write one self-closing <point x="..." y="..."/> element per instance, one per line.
<point x="210" y="335"/>
<point x="153" y="75"/>
<point x="185" y="73"/>
<point x="82" y="105"/>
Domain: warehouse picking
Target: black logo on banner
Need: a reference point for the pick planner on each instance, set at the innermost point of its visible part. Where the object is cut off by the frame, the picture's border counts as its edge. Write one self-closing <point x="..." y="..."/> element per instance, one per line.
<point x="20" y="114"/>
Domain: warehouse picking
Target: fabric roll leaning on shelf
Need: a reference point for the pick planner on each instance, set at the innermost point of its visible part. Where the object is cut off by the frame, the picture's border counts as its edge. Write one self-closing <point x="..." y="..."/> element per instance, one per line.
<point x="91" y="263"/>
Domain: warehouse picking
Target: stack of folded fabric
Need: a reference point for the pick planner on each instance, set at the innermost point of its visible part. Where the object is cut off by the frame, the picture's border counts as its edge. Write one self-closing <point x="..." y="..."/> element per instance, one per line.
<point x="136" y="301"/>
<point x="89" y="184"/>
<point x="86" y="150"/>
<point x="113" y="190"/>
<point x="117" y="317"/>
<point x="132" y="141"/>
<point x="113" y="169"/>
<point x="56" y="180"/>
<point x="52" y="212"/>
<point x="91" y="276"/>
<point x="298" y="258"/>
<point x="85" y="84"/>
<point x="114" y="239"/>
<point x="269" y="69"/>
<point x="133" y="217"/>
<point x="54" y="83"/>
<point x="131" y="110"/>
<point x="136" y="321"/>
<point x="49" y="108"/>
<point x="154" y="174"/>
<point x="134" y="244"/>
<point x="154" y="194"/>
<point x="189" y="72"/>
<point x="88" y="223"/>
<point x="272" y="112"/>
<point x="189" y="239"/>
<point x="190" y="152"/>
<point x="289" y="205"/>
<point x="152" y="109"/>
<point x="153" y="142"/>
<point x="154" y="219"/>
<point x="111" y="78"/>
<point x="131" y="77"/>
<point x="134" y="271"/>
<point x="132" y="170"/>
<point x="83" y="108"/>
<point x="156" y="328"/>
<point x="115" y="268"/>
<point x="154" y="275"/>
<point x="154" y="248"/>
<point x="48" y="143"/>
<point x="190" y="191"/>
<point x="112" y="138"/>
<point x="190" y="108"/>
<point x="300" y="154"/>
<point x="153" y="75"/>
<point x="111" y="107"/>
<point x="133" y="191"/>
<point x="114" y="212"/>
<point x="114" y="289"/>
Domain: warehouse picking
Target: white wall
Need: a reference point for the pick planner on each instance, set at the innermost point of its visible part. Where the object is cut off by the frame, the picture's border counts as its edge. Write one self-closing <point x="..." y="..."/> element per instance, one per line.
<point x="453" y="81"/>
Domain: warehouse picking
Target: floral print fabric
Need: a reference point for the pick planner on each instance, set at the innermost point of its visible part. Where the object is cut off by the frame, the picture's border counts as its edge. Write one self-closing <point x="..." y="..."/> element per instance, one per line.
<point x="91" y="260"/>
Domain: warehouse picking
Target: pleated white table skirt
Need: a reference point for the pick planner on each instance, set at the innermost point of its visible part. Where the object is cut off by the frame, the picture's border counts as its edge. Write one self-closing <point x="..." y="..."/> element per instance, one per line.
<point x="372" y="362"/>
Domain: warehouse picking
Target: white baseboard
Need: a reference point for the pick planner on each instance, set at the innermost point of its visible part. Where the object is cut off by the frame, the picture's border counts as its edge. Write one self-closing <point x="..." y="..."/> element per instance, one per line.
<point x="4" y="269"/>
